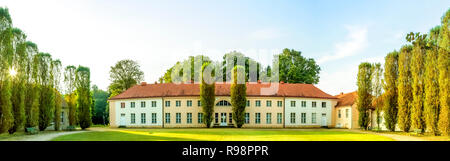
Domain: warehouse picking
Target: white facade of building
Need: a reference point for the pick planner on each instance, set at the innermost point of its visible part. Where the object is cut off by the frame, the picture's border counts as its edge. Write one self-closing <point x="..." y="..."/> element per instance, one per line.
<point x="146" y="112"/>
<point x="300" y="112"/>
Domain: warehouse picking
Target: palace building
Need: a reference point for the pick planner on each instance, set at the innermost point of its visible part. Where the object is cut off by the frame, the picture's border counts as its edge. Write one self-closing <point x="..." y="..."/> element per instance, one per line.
<point x="169" y="105"/>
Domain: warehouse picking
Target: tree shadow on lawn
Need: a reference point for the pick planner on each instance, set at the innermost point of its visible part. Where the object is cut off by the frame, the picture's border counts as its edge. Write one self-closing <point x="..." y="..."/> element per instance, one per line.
<point x="114" y="136"/>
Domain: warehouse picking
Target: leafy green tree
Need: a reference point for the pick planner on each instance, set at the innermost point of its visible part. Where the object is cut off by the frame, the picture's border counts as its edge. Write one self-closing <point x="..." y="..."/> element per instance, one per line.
<point x="70" y="97"/>
<point x="390" y="88"/>
<point x="234" y="58"/>
<point x="47" y="103"/>
<point x="294" y="68"/>
<point x="84" y="98"/>
<point x="6" y="53"/>
<point x="193" y="62"/>
<point x="377" y="88"/>
<point x="417" y="76"/>
<point x="431" y="103"/>
<point x="444" y="84"/>
<point x="207" y="94"/>
<point x="100" y="103"/>
<point x="238" y="95"/>
<point x="123" y="75"/>
<point x="364" y="102"/>
<point x="404" y="88"/>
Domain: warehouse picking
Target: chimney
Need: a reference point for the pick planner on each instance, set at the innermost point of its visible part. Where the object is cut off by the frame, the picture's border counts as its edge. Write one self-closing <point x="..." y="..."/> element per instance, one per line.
<point x="156" y="82"/>
<point x="282" y="82"/>
<point x="342" y="93"/>
<point x="143" y="83"/>
<point x="259" y="81"/>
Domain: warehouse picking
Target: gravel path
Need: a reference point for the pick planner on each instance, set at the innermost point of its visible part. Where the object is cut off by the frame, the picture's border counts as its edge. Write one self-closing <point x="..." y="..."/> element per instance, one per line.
<point x="42" y="137"/>
<point x="393" y="136"/>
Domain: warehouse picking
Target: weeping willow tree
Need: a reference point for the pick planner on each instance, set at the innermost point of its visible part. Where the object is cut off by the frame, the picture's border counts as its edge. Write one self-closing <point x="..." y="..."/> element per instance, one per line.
<point x="69" y="81"/>
<point x="404" y="88"/>
<point x="6" y="53"/>
<point x="84" y="97"/>
<point x="443" y="65"/>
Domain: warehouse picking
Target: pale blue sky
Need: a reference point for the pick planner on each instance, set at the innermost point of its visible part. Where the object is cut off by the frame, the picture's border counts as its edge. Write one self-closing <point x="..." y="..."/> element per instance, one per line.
<point x="338" y="34"/>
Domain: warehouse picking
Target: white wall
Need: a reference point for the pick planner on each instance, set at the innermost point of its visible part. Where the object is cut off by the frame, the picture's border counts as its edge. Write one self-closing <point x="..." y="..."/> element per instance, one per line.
<point x="298" y="109"/>
<point x="137" y="110"/>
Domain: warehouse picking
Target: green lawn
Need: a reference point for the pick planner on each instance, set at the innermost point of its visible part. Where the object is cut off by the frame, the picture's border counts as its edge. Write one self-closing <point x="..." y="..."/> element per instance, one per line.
<point x="222" y="135"/>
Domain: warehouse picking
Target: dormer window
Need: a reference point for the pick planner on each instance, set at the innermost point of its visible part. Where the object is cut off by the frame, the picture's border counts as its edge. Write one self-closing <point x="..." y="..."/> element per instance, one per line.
<point x="223" y="103"/>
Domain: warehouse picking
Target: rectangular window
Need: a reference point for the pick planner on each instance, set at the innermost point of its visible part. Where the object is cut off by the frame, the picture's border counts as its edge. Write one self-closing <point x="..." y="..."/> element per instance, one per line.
<point x="143" y="119"/>
<point x="178" y="103"/>
<point x="279" y="118"/>
<point x="257" y="118"/>
<point x="153" y="118"/>
<point x="346" y="113"/>
<point x="133" y="104"/>
<point x="216" y="118"/>
<point x="248" y="103"/>
<point x="189" y="118"/>
<point x="122" y="105"/>
<point x="200" y="118"/>
<point x="314" y="104"/>
<point x="178" y="118"/>
<point x="292" y="118"/>
<point x="230" y="118"/>
<point x="167" y="118"/>
<point x="303" y="103"/>
<point x="292" y="103"/>
<point x="324" y="104"/>
<point x="189" y="103"/>
<point x="143" y="104"/>
<point x="167" y="103"/>
<point x="153" y="103"/>
<point x="280" y="103"/>
<point x="268" y="118"/>
<point x="339" y="113"/>
<point x="268" y="103"/>
<point x="303" y="118"/>
<point x="313" y="118"/>
<point x="247" y="118"/>
<point x="199" y="103"/>
<point x="258" y="103"/>
<point x="133" y="118"/>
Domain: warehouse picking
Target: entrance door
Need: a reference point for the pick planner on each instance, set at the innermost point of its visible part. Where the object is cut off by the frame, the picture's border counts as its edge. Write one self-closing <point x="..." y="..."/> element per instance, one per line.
<point x="223" y="119"/>
<point x="324" y="120"/>
<point x="122" y="120"/>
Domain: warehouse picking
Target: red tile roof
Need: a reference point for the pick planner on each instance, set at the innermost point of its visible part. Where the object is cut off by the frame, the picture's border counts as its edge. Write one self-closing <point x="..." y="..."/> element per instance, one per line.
<point x="347" y="99"/>
<point x="253" y="89"/>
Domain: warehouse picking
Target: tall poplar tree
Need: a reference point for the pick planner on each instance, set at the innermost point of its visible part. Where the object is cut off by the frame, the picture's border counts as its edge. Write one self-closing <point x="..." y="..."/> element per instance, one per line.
<point x="46" y="104"/>
<point x="239" y="95"/>
<point x="377" y="88"/>
<point x="84" y="97"/>
<point x="70" y="97"/>
<point x="6" y="52"/>
<point x="364" y="102"/>
<point x="390" y="89"/>
<point x="207" y="95"/>
<point x="417" y="75"/>
<point x="444" y="84"/>
<point x="431" y="103"/>
<point x="56" y="78"/>
<point x="18" y="80"/>
<point x="404" y="88"/>
<point x="32" y="95"/>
